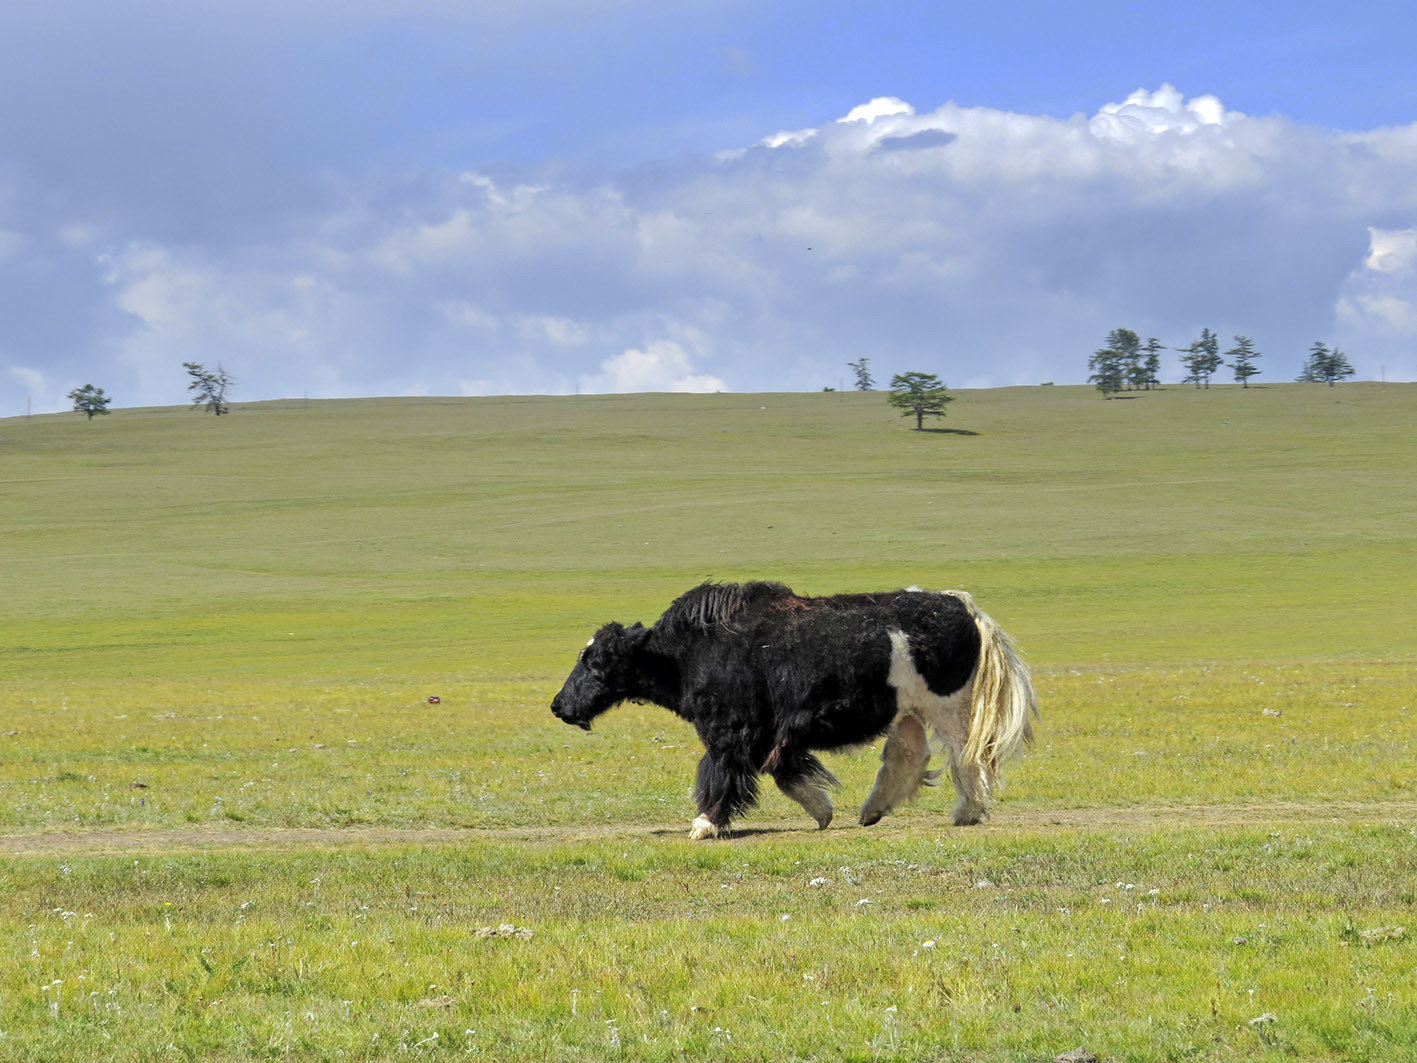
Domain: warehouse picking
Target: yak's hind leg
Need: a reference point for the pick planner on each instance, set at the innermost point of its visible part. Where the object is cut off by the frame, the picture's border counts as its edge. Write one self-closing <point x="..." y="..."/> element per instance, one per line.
<point x="904" y="761"/>
<point x="723" y="789"/>
<point x="806" y="780"/>
<point x="973" y="789"/>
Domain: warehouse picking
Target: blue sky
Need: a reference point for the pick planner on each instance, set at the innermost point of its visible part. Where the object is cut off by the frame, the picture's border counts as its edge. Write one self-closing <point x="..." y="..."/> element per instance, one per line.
<point x="374" y="197"/>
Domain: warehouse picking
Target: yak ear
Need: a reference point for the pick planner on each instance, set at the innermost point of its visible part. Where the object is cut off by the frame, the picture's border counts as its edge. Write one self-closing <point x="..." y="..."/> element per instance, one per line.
<point x="636" y="635"/>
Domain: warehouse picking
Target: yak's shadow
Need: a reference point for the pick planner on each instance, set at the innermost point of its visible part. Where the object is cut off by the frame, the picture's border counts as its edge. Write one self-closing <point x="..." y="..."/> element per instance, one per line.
<point x="736" y="832"/>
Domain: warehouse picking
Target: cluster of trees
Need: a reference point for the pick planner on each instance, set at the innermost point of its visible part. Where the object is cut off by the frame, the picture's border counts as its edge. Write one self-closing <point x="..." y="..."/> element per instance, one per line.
<point x="1125" y="363"/>
<point x="209" y="388"/>
<point x="1325" y="365"/>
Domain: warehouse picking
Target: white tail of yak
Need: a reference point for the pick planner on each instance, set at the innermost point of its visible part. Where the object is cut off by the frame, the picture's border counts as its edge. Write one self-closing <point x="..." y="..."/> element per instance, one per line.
<point x="1002" y="703"/>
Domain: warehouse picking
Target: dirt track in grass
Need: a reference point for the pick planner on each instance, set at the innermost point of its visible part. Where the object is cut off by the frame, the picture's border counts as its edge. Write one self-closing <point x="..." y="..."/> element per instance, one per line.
<point x="1006" y="821"/>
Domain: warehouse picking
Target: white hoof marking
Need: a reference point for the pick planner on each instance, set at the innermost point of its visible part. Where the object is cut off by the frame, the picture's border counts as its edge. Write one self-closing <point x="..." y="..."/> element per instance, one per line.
<point x="702" y="828"/>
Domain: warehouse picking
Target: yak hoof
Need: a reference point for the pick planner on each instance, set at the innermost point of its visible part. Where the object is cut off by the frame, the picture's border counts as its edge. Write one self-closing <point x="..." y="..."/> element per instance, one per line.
<point x="702" y="828"/>
<point x="869" y="818"/>
<point x="967" y="815"/>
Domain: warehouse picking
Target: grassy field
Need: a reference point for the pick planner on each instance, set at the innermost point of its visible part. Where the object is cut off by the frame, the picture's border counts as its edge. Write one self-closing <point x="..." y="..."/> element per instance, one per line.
<point x="236" y="828"/>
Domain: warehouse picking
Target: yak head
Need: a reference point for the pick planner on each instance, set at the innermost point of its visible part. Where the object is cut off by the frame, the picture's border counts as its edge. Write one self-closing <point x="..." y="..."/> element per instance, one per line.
<point x="605" y="675"/>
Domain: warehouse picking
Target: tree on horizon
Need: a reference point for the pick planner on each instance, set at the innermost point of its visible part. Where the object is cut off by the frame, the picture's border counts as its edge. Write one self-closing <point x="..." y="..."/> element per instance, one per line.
<point x="1325" y="365"/>
<point x="1108" y="372"/>
<point x="1127" y="345"/>
<point x="864" y="380"/>
<point x="1202" y="359"/>
<point x="90" y="400"/>
<point x="1242" y="359"/>
<point x="210" y="387"/>
<point x="919" y="394"/>
<point x="1124" y="363"/>
<point x="1151" y="364"/>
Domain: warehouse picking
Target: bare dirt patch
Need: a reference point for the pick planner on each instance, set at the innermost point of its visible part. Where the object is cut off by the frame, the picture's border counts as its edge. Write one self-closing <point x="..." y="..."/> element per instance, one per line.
<point x="1006" y="821"/>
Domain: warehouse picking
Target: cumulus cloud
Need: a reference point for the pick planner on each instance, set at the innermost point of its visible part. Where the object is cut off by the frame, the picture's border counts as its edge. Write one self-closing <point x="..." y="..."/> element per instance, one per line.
<point x="988" y="246"/>
<point x="661" y="366"/>
<point x="1164" y="111"/>
<point x="1379" y="299"/>
<point x="1391" y="251"/>
<point x="279" y="324"/>
<point x="880" y="107"/>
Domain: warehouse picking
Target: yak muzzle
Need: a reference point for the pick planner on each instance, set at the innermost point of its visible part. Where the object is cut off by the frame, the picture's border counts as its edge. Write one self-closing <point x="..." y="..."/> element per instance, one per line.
<point x="558" y="709"/>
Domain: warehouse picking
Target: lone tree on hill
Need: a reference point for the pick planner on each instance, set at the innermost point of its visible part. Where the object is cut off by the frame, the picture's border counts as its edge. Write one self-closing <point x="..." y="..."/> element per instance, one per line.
<point x="1242" y="359"/>
<point x="1325" y="366"/>
<point x="210" y="387"/>
<point x="919" y="394"/>
<point x="90" y="400"/>
<point x="864" y="380"/>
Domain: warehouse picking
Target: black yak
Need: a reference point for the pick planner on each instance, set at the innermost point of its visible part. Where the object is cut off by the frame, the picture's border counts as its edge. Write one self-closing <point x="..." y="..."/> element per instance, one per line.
<point x="767" y="677"/>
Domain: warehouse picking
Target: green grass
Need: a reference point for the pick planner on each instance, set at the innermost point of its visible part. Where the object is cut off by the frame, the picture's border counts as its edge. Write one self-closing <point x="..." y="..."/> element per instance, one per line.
<point x="967" y="946"/>
<point x="281" y="755"/>
<point x="219" y="768"/>
<point x="452" y="537"/>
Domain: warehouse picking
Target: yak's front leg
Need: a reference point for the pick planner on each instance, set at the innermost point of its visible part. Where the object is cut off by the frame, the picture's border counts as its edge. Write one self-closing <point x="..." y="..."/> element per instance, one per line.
<point x="807" y="781"/>
<point x="725" y="788"/>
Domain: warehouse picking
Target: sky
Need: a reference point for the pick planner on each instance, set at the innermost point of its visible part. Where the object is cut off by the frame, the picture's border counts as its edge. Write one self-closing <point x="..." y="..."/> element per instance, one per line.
<point x="347" y="198"/>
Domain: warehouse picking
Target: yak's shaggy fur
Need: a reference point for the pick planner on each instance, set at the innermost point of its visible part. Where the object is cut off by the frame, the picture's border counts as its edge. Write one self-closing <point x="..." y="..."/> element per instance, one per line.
<point x="767" y="677"/>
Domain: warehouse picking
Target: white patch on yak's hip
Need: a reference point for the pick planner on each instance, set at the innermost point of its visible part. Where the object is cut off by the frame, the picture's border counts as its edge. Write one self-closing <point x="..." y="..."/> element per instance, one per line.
<point x="921" y="715"/>
<point x="946" y="716"/>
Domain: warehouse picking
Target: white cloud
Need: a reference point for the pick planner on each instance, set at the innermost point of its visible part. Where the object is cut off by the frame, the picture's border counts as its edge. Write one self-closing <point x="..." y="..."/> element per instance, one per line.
<point x="1379" y="299"/>
<point x="32" y="381"/>
<point x="154" y="287"/>
<point x="661" y="366"/>
<point x="988" y="246"/>
<point x="1391" y="250"/>
<point x="984" y="244"/>
<point x="268" y="322"/>
<point x="558" y="331"/>
<point x="786" y="138"/>
<point x="1374" y="312"/>
<point x="866" y="114"/>
<point x="880" y="107"/>
<point x="1164" y="111"/>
